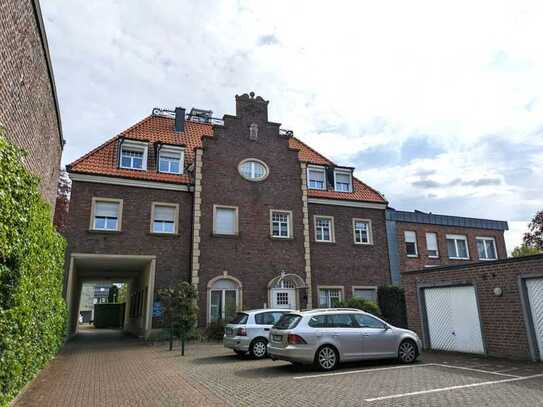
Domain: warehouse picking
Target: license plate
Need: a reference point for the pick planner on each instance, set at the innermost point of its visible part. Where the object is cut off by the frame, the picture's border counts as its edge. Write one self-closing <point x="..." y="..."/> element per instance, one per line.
<point x="229" y="332"/>
<point x="277" y="338"/>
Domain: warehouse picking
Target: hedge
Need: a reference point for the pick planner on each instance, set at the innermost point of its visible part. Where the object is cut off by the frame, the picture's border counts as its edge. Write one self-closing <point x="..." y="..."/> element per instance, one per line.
<point x="392" y="304"/>
<point x="32" y="309"/>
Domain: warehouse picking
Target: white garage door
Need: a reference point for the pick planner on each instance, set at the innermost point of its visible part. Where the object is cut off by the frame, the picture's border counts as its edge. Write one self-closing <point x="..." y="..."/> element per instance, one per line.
<point x="534" y="286"/>
<point x="453" y="319"/>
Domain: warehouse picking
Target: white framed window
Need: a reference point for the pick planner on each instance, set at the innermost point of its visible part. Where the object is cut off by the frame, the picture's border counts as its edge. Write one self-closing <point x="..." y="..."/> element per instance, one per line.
<point x="324" y="229"/>
<point x="164" y="218"/>
<point x="225" y="220"/>
<point x="280" y="224"/>
<point x="366" y="293"/>
<point x="343" y="181"/>
<point x="362" y="231"/>
<point x="316" y="177"/>
<point x="330" y="296"/>
<point x="253" y="170"/>
<point x="133" y="155"/>
<point x="170" y="159"/>
<point x="486" y="248"/>
<point x="457" y="247"/>
<point x="106" y="214"/>
<point x="431" y="245"/>
<point x="410" y="243"/>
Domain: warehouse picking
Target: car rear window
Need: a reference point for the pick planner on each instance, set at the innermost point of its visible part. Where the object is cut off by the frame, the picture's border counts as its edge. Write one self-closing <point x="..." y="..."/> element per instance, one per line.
<point x="240" y="318"/>
<point x="268" y="318"/>
<point x="288" y="321"/>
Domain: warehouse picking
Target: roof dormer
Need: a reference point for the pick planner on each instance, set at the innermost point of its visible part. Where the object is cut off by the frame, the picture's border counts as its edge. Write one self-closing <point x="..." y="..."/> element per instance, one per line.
<point x="133" y="155"/>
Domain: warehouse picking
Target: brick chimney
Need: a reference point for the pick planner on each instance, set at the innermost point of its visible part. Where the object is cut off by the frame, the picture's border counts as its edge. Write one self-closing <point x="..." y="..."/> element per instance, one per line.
<point x="179" y="119"/>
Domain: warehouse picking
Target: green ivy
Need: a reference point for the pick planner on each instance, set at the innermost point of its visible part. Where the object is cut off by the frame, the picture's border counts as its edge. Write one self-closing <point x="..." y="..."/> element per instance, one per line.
<point x="32" y="309"/>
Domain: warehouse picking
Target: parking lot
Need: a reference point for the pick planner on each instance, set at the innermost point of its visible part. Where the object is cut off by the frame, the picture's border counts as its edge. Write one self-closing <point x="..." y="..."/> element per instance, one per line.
<point x="437" y="379"/>
<point x="116" y="371"/>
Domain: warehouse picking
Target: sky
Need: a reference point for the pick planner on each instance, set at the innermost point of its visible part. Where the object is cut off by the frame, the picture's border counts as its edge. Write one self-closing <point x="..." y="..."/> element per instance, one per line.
<point x="438" y="105"/>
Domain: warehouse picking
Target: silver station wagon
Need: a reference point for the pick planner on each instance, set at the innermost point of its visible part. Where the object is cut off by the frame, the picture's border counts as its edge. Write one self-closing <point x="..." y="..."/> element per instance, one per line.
<point x="249" y="331"/>
<point x="326" y="337"/>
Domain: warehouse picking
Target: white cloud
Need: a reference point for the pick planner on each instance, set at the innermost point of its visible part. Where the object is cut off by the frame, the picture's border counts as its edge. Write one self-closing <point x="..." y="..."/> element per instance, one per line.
<point x="347" y="79"/>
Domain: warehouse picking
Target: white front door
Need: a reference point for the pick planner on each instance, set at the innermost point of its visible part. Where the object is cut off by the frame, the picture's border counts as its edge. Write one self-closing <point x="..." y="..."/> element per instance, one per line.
<point x="453" y="319"/>
<point x="534" y="286"/>
<point x="283" y="298"/>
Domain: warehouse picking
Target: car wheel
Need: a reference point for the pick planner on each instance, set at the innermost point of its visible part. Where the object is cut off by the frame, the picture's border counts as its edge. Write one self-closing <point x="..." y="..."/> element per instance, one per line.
<point x="407" y="352"/>
<point x="327" y="358"/>
<point x="259" y="348"/>
<point x="239" y="352"/>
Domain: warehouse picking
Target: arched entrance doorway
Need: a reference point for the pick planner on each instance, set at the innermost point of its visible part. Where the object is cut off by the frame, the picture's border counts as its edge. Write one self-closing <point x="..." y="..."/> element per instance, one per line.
<point x="284" y="291"/>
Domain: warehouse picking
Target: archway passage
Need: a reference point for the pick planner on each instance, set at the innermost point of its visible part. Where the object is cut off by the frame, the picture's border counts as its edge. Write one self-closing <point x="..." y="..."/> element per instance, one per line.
<point x="137" y="271"/>
<point x="284" y="291"/>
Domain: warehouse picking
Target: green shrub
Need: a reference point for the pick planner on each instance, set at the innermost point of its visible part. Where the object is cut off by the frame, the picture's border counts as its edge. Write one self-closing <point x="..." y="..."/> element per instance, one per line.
<point x="361" y="304"/>
<point x="214" y="331"/>
<point x="392" y="304"/>
<point x="32" y="310"/>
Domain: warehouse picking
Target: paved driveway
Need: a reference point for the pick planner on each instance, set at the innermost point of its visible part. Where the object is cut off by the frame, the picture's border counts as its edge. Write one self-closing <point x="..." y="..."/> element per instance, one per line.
<point x="105" y="371"/>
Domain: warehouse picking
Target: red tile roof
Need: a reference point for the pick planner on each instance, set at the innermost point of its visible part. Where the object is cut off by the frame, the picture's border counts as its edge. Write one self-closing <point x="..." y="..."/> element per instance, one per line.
<point x="157" y="129"/>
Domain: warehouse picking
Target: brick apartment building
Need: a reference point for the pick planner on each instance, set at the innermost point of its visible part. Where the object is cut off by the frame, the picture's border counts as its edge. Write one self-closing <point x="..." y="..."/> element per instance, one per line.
<point x="249" y="214"/>
<point x="245" y="211"/>
<point x="29" y="112"/>
<point x="419" y="240"/>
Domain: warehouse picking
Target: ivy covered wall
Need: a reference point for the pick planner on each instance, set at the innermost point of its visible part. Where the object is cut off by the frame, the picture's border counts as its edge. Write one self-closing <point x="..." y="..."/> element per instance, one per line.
<point x="32" y="309"/>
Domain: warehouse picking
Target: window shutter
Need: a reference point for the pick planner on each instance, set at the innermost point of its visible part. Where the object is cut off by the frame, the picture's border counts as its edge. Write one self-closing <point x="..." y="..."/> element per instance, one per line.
<point x="165" y="213"/>
<point x="225" y="221"/>
<point x="106" y="209"/>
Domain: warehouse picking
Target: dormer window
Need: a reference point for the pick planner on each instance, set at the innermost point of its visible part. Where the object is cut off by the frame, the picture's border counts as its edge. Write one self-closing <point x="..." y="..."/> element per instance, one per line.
<point x="316" y="177"/>
<point x="133" y="155"/>
<point x="343" y="181"/>
<point x="170" y="160"/>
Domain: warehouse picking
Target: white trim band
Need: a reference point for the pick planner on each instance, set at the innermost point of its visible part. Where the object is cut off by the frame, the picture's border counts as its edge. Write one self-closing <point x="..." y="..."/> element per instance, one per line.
<point x="354" y="204"/>
<point x="128" y="182"/>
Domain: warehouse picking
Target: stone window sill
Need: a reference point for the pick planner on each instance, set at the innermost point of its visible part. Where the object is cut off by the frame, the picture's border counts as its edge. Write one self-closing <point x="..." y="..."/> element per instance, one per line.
<point x="104" y="232"/>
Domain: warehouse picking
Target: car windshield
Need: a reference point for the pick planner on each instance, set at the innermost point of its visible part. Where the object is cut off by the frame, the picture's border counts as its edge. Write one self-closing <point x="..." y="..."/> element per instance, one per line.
<point x="240" y="318"/>
<point x="288" y="321"/>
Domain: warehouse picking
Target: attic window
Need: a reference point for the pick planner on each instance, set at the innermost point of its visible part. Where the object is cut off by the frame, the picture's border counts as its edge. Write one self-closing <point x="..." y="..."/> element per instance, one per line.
<point x="316" y="178"/>
<point x="133" y="155"/>
<point x="343" y="181"/>
<point x="170" y="160"/>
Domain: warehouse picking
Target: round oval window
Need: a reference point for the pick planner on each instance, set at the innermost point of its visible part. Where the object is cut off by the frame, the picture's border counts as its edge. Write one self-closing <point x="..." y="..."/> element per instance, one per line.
<point x="253" y="170"/>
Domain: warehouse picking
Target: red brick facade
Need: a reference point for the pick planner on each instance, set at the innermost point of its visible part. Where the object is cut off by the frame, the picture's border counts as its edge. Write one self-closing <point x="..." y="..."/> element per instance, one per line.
<point x="422" y="260"/>
<point x="503" y="318"/>
<point x="28" y="109"/>
<point x="251" y="261"/>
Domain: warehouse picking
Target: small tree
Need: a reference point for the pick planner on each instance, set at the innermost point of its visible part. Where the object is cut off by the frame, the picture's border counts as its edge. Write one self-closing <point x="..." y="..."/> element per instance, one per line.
<point x="524" y="250"/>
<point x="179" y="311"/>
<point x="534" y="238"/>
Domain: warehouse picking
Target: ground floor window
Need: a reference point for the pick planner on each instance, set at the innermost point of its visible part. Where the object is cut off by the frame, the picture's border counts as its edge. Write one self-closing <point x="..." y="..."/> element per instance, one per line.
<point x="223" y="300"/>
<point x="330" y="297"/>
<point x="366" y="293"/>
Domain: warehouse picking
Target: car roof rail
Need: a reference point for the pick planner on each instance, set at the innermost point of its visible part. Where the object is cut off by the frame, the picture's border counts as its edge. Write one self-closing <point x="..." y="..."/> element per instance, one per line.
<point x="334" y="309"/>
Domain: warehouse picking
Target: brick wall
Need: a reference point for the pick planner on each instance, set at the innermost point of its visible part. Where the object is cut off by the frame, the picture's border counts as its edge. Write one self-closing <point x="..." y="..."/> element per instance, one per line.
<point x="503" y="326"/>
<point x="252" y="257"/>
<point x="27" y="105"/>
<point x="172" y="252"/>
<point x="422" y="260"/>
<point x="343" y="262"/>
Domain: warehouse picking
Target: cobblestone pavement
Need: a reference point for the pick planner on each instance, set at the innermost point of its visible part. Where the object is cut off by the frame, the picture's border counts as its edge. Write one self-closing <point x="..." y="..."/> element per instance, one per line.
<point x="101" y="368"/>
<point x="110" y="372"/>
